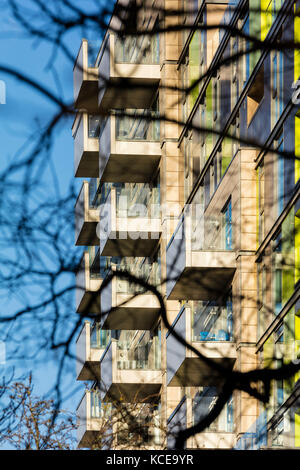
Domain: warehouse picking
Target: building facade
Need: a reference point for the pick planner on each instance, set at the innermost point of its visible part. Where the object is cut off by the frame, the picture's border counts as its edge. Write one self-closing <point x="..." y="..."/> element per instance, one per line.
<point x="187" y="140"/>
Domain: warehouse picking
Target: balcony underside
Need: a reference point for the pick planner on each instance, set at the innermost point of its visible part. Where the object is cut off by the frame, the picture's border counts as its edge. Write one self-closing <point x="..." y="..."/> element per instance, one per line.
<point x="131" y="92"/>
<point x="123" y="244"/>
<point x="131" y="318"/>
<point x="89" y="303"/>
<point x="202" y="283"/>
<point x="88" y="166"/>
<point x="87" y="96"/>
<point x="92" y="438"/>
<point x="132" y="392"/>
<point x="193" y="372"/>
<point x="90" y="370"/>
<point x="138" y="168"/>
<point x="88" y="235"/>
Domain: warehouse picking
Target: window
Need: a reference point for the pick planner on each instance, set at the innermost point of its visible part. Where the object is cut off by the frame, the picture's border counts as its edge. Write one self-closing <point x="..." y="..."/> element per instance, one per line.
<point x="262" y="286"/>
<point x="235" y="72"/>
<point x="261" y="202"/>
<point x="215" y="99"/>
<point x="203" y="133"/>
<point x="276" y="86"/>
<point x="279" y="334"/>
<point x="277" y="433"/>
<point x="277" y="272"/>
<point x="278" y="176"/>
<point x="245" y="57"/>
<point x="94" y="126"/>
<point x="227" y="224"/>
<point x="188" y="173"/>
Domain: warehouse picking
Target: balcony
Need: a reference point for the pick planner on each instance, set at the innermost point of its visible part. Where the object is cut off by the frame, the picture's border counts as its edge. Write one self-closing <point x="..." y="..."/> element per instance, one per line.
<point x="129" y="72"/>
<point x="125" y="305"/>
<point x="85" y="76"/>
<point x="220" y="433"/>
<point x="131" y="368"/>
<point x="86" y="216"/>
<point x="208" y="328"/>
<point x="88" y="283"/>
<point x="130" y="220"/>
<point x="90" y="345"/>
<point x="189" y="411"/>
<point x="85" y="131"/>
<point x="200" y="258"/>
<point x="129" y="146"/>
<point x="94" y="422"/>
<point x="138" y="427"/>
<point x="177" y="422"/>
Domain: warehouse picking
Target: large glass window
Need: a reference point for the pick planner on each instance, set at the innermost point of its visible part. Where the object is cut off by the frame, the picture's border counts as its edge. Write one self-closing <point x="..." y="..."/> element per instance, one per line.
<point x="262" y="286"/>
<point x="277" y="83"/>
<point x="227" y="216"/>
<point x="279" y="177"/>
<point x="94" y="124"/>
<point x="277" y="273"/>
<point x="261" y="202"/>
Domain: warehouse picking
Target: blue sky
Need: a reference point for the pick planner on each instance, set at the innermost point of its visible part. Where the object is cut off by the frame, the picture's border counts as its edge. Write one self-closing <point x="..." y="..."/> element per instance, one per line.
<point x="18" y="117"/>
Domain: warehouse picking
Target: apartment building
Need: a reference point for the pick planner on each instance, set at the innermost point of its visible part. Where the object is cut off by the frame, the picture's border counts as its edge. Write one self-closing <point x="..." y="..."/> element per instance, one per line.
<point x="192" y="186"/>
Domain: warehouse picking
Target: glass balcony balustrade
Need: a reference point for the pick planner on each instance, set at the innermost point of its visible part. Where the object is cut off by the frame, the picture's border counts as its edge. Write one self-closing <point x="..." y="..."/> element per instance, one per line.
<point x="140" y="425"/>
<point x="203" y="403"/>
<point x="93" y="50"/>
<point x="133" y="199"/>
<point x="212" y="322"/>
<point x="94" y="263"/>
<point x="137" y="49"/>
<point x="211" y="233"/>
<point x="99" y="338"/>
<point x="137" y="125"/>
<point x="99" y="409"/>
<point x="143" y="268"/>
<point x="138" y="350"/>
<point x="94" y="193"/>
